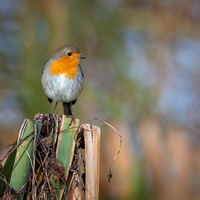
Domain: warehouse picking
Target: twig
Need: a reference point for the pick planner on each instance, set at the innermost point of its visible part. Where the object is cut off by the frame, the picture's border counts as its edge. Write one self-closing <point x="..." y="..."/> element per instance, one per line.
<point x="110" y="173"/>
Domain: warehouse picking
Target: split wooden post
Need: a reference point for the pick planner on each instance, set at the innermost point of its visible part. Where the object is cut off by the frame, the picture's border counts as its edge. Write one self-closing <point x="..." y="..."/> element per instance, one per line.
<point x="92" y="161"/>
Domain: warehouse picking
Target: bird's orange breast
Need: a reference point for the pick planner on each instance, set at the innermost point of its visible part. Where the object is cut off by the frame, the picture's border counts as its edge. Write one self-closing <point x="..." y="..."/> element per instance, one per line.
<point x="65" y="65"/>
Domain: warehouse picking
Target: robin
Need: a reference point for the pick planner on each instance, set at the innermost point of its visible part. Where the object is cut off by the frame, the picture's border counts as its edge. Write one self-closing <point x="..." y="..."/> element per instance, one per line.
<point x="63" y="79"/>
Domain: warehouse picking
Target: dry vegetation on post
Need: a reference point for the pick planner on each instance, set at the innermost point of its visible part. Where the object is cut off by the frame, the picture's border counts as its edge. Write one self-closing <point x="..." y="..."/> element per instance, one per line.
<point x="48" y="160"/>
<point x="52" y="160"/>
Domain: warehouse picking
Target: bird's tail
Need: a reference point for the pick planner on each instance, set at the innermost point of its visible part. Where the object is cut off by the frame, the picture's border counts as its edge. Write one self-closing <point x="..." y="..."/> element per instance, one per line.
<point x="67" y="109"/>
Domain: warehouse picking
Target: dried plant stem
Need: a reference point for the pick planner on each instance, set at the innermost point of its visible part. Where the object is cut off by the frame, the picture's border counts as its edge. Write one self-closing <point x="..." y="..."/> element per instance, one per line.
<point x="92" y="161"/>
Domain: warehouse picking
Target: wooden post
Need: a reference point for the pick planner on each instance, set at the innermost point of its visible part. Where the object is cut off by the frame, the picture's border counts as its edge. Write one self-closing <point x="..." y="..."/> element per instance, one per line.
<point x="92" y="161"/>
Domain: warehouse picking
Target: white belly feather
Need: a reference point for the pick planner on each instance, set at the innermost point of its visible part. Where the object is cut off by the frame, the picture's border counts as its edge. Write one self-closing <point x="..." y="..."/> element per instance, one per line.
<point x="61" y="89"/>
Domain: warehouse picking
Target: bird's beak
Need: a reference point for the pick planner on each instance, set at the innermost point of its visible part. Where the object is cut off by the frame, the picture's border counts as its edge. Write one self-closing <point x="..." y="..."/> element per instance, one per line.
<point x="82" y="57"/>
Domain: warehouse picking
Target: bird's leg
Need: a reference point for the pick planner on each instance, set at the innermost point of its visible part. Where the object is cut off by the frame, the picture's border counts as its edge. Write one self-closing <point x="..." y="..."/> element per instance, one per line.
<point x="55" y="107"/>
<point x="73" y="117"/>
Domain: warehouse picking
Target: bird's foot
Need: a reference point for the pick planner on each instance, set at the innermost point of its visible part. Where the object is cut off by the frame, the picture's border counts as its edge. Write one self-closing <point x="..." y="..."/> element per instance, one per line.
<point x="73" y="119"/>
<point x="55" y="107"/>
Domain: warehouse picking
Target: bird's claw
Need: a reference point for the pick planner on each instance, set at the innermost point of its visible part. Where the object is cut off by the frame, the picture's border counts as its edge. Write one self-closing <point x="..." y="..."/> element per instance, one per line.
<point x="73" y="119"/>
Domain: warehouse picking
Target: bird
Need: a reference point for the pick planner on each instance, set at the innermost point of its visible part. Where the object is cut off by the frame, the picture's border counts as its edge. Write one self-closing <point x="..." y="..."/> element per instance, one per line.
<point x="62" y="78"/>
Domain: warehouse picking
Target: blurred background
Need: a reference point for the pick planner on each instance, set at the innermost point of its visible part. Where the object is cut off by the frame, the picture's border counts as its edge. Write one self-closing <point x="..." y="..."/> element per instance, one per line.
<point x="142" y="75"/>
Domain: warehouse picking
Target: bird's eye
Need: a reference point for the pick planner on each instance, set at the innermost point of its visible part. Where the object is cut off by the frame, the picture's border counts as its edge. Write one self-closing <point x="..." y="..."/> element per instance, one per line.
<point x="69" y="53"/>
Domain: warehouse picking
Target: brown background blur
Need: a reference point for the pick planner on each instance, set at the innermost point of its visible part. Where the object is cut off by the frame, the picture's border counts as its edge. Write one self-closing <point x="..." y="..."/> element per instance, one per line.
<point x="142" y="75"/>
